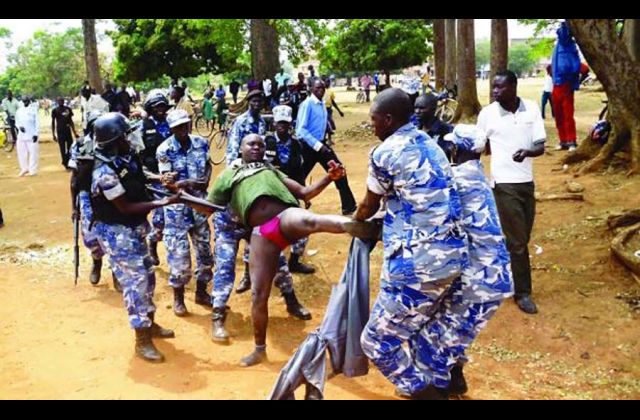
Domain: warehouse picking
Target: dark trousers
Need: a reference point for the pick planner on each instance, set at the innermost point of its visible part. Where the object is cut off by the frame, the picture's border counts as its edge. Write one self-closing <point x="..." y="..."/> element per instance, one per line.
<point x="367" y="92"/>
<point x="546" y="97"/>
<point x="64" y="143"/>
<point x="1" y="218"/>
<point x="517" y="208"/>
<point x="311" y="158"/>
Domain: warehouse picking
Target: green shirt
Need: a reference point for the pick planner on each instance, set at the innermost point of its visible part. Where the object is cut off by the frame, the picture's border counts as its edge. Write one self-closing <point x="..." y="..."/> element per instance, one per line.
<point x="207" y="109"/>
<point x="240" y="185"/>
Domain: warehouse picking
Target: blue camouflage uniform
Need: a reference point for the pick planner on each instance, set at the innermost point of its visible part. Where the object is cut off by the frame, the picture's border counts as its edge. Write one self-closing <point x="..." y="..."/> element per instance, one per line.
<point x="425" y="249"/>
<point x="152" y="131"/>
<point x="181" y="221"/>
<point x="82" y="149"/>
<point x="243" y="125"/>
<point x="476" y="295"/>
<point x="126" y="246"/>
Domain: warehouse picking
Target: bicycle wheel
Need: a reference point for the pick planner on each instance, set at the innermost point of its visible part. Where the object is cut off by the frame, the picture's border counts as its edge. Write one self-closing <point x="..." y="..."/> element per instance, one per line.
<point x="360" y="98"/>
<point x="9" y="141"/>
<point x="217" y="147"/>
<point x="201" y="127"/>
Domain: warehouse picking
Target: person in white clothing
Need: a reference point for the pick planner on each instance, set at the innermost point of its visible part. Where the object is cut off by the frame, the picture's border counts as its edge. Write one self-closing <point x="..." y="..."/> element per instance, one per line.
<point x="546" y="93"/>
<point x="516" y="135"/>
<point x="91" y="102"/>
<point x="28" y="125"/>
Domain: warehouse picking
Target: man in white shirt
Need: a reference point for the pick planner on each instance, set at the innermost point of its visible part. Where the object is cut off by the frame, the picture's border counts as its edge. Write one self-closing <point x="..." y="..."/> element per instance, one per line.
<point x="516" y="134"/>
<point x="546" y="93"/>
<point x="28" y="125"/>
<point x="91" y="102"/>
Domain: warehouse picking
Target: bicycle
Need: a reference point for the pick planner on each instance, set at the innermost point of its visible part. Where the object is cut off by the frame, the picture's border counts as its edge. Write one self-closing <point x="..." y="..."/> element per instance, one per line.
<point x="361" y="97"/>
<point x="218" y="141"/>
<point x="7" y="139"/>
<point x="203" y="127"/>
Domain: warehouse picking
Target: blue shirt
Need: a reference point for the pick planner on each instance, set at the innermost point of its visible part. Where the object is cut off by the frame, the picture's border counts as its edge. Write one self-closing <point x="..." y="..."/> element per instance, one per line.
<point x="312" y="122"/>
<point x="283" y="148"/>
<point x="422" y="235"/>
<point x="242" y="126"/>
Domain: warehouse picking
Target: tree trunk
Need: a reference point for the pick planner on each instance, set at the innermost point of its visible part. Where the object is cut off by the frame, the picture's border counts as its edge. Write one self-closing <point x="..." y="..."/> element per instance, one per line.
<point x="499" y="50"/>
<point x="632" y="37"/>
<point x="450" y="53"/>
<point x="616" y="69"/>
<point x="265" y="49"/>
<point x="468" y="104"/>
<point x="91" y="54"/>
<point x="439" y="52"/>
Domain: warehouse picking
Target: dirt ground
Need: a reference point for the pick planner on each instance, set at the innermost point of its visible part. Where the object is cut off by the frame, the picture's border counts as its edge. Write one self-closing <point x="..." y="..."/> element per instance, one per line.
<point x="58" y="341"/>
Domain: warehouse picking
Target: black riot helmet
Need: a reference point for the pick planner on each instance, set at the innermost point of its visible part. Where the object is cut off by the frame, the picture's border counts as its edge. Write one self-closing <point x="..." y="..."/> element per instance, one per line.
<point x="110" y="127"/>
<point x="154" y="99"/>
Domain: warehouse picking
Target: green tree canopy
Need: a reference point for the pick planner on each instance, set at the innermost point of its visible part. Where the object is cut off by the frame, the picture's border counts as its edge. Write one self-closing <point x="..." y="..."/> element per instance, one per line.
<point x="521" y="61"/>
<point x="483" y="52"/>
<point x="373" y="44"/>
<point x="48" y="64"/>
<point x="147" y="49"/>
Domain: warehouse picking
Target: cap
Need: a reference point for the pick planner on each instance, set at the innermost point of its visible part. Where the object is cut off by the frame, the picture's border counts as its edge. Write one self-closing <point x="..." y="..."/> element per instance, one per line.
<point x="177" y="117"/>
<point x="253" y="93"/>
<point x="282" y="113"/>
<point x="468" y="137"/>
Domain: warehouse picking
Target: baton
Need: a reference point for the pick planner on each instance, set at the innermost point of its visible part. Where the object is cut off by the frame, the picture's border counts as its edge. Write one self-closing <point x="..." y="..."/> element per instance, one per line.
<point x="189" y="199"/>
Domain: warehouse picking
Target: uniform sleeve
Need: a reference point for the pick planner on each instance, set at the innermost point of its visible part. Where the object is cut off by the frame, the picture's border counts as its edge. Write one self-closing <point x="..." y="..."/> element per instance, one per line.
<point x="381" y="170"/>
<point x="233" y="144"/>
<point x="110" y="184"/>
<point x="482" y="120"/>
<point x="164" y="163"/>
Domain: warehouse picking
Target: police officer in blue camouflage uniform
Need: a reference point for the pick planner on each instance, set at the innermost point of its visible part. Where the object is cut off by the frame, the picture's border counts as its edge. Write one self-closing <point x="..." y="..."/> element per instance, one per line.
<point x="485" y="282"/>
<point x="81" y="165"/>
<point x="155" y="130"/>
<point x="120" y="205"/>
<point x="228" y="233"/>
<point x="425" y="248"/>
<point x="183" y="160"/>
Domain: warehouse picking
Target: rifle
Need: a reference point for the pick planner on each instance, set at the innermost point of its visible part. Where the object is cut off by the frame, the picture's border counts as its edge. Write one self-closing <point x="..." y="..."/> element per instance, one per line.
<point x="190" y="200"/>
<point x="76" y="235"/>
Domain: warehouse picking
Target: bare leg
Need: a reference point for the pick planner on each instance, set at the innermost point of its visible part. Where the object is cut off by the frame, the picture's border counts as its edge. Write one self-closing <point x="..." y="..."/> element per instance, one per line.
<point x="263" y="265"/>
<point x="296" y="223"/>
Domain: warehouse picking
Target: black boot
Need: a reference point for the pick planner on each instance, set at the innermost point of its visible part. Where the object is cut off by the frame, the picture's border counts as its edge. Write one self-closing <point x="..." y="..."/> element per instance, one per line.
<point x="294" y="307"/>
<point x="157" y="331"/>
<point x="202" y="297"/>
<point x="245" y="283"/>
<point x="431" y="393"/>
<point x="295" y="266"/>
<point x="116" y="283"/>
<point x="458" y="385"/>
<point x="179" y="308"/>
<point x="153" y="253"/>
<point x="218" y="333"/>
<point x="145" y="348"/>
<point x="96" y="271"/>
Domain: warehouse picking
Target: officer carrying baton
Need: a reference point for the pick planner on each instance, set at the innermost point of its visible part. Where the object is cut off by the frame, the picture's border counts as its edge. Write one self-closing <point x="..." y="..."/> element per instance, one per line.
<point x="189" y="200"/>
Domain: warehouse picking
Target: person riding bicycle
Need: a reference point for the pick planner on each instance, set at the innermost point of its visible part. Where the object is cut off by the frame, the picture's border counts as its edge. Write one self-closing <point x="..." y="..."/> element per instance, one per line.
<point x="155" y="130"/>
<point x="10" y="105"/>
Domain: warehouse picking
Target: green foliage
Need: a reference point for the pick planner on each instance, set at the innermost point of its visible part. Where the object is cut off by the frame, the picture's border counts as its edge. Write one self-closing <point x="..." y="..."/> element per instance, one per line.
<point x="4" y="33"/>
<point x="373" y="44"/>
<point x="521" y="60"/>
<point x="47" y="65"/>
<point x="542" y="26"/>
<point x="147" y="49"/>
<point x="483" y="52"/>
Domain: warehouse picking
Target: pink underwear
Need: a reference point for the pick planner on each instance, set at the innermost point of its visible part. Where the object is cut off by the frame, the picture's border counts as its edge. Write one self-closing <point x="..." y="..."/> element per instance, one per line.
<point x="271" y="231"/>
